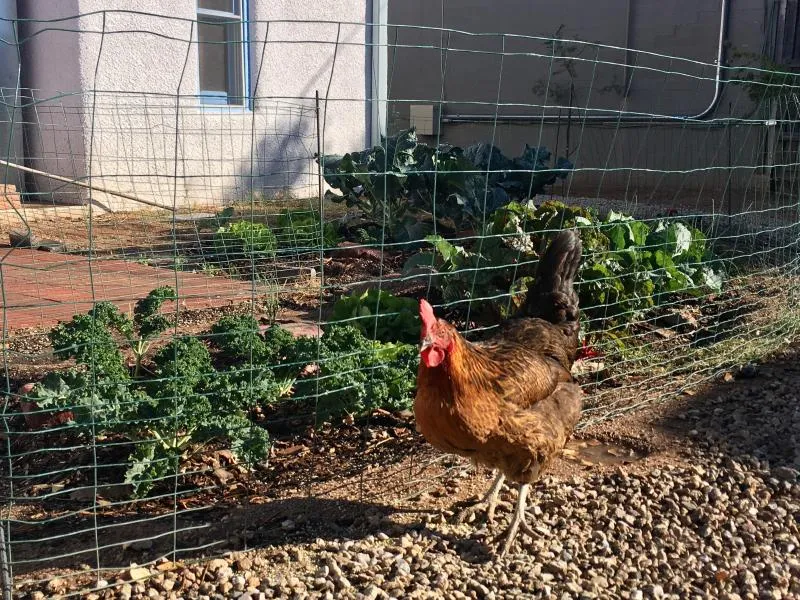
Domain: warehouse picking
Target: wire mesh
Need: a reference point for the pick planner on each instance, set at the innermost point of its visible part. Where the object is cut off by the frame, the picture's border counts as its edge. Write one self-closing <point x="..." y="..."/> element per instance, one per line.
<point x="193" y="427"/>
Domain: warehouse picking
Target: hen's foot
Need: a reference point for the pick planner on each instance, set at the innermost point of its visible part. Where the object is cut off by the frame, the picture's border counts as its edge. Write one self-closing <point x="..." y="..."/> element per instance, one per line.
<point x="490" y="501"/>
<point x="518" y="523"/>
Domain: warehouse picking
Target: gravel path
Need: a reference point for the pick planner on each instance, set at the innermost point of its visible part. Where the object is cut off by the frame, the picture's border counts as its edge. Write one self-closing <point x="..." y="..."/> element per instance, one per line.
<point x="713" y="512"/>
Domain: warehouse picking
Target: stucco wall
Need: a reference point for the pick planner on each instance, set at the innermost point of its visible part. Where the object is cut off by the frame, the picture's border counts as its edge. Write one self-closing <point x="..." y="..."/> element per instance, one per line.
<point x="10" y="118"/>
<point x="144" y="131"/>
<point x="467" y="78"/>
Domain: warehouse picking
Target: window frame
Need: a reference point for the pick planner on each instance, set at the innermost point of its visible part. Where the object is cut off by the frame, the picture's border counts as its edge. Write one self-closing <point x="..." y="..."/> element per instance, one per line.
<point x="218" y="100"/>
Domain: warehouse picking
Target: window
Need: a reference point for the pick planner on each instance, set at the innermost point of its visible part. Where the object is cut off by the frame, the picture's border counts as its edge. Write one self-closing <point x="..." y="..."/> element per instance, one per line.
<point x="222" y="40"/>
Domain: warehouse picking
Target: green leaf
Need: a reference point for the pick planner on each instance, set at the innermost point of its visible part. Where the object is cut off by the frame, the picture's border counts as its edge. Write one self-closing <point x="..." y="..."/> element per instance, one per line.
<point x="711" y="279"/>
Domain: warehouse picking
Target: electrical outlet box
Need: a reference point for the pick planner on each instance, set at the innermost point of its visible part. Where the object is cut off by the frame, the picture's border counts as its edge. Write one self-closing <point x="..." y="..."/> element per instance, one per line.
<point x="422" y="119"/>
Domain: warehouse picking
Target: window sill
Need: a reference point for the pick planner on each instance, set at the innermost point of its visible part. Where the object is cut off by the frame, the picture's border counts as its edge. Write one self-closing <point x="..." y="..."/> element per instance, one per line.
<point x="224" y="108"/>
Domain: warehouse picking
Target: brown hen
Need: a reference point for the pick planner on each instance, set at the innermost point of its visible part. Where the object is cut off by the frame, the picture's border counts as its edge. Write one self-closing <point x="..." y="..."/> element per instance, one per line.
<point x="510" y="402"/>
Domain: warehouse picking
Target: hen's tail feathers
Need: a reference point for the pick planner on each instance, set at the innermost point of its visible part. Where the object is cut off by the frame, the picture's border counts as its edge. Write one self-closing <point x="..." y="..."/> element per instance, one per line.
<point x="552" y="295"/>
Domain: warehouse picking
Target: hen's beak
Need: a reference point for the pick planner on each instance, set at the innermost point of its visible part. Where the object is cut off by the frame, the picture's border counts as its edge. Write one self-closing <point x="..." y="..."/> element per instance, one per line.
<point x="427" y="342"/>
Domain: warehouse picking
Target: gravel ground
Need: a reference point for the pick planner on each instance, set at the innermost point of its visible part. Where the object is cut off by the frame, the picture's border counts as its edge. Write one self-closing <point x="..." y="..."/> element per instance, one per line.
<point x="712" y="512"/>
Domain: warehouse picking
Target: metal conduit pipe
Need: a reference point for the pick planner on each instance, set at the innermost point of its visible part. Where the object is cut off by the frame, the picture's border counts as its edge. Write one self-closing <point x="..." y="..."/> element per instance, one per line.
<point x="723" y="21"/>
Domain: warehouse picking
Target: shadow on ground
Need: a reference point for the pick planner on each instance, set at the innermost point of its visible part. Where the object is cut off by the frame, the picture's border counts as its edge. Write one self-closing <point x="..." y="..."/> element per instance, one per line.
<point x="197" y="533"/>
<point x="752" y="412"/>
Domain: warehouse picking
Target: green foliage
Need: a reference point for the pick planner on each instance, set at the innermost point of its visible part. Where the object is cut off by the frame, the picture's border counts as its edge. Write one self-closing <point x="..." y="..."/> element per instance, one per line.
<point x="89" y="340"/>
<point x="304" y="229"/>
<point x="187" y="402"/>
<point x="628" y="265"/>
<point x="354" y="374"/>
<point x="147" y="319"/>
<point x="478" y="274"/>
<point x="764" y="79"/>
<point x="402" y="184"/>
<point x="240" y="240"/>
<point x="390" y="318"/>
<point x="351" y="373"/>
<point x="239" y="336"/>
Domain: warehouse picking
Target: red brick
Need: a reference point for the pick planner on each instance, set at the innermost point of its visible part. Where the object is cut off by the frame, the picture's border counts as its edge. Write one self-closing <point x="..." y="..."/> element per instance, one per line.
<point x="42" y="288"/>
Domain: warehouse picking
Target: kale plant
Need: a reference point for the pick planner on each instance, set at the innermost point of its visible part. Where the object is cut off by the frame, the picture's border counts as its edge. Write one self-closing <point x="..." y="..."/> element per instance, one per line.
<point x="353" y="374"/>
<point x="184" y="403"/>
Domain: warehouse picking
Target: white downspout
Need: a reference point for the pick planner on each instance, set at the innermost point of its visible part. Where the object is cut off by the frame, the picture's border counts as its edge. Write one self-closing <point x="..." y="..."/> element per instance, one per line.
<point x="380" y="63"/>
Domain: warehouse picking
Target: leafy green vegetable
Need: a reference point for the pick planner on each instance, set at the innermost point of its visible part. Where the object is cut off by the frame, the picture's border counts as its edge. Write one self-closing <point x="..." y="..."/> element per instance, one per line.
<point x="354" y="374"/>
<point x="390" y="318"/>
<point x="244" y="240"/>
<point x="303" y="229"/>
<point x="628" y="266"/>
<point x="240" y="336"/>
<point x="396" y="184"/>
<point x="146" y="317"/>
<point x="187" y="401"/>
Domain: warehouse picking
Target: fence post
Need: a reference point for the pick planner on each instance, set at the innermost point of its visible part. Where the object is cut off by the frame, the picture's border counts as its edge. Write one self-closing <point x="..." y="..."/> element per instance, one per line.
<point x="5" y="565"/>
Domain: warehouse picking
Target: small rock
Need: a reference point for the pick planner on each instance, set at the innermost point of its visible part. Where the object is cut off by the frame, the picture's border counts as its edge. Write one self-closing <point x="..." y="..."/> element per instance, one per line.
<point x="372" y="592"/>
<point x="402" y="567"/>
<point x="225" y="588"/>
<point x="217" y="564"/>
<point x="138" y="573"/>
<point x="785" y="474"/>
<point x="288" y="525"/>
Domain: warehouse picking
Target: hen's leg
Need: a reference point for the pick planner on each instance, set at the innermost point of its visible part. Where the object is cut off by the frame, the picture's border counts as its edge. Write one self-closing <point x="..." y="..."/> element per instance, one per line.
<point x="490" y="500"/>
<point x="517" y="522"/>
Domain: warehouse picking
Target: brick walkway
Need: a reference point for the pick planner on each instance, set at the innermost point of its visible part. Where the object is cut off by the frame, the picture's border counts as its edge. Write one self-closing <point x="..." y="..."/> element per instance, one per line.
<point x="42" y="288"/>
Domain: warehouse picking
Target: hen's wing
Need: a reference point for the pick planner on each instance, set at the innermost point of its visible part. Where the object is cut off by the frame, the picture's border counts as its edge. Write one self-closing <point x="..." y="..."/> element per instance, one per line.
<point x="527" y="359"/>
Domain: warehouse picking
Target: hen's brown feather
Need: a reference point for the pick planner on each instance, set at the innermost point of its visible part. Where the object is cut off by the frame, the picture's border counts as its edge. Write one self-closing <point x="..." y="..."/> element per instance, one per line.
<point x="509" y="402"/>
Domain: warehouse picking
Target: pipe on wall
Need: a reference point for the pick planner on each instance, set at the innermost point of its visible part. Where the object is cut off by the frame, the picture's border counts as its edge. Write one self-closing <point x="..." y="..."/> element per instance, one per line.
<point x="723" y="27"/>
<point x="379" y="63"/>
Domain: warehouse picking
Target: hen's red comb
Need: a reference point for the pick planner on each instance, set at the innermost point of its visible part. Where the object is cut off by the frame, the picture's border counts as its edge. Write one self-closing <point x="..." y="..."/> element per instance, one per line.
<point x="427" y="316"/>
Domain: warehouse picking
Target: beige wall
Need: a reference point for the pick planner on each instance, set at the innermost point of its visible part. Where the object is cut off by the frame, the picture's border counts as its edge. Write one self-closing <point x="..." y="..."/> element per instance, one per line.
<point x="136" y="117"/>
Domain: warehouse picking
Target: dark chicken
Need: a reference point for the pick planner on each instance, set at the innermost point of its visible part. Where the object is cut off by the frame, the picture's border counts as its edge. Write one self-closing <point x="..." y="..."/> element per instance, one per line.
<point x="509" y="403"/>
